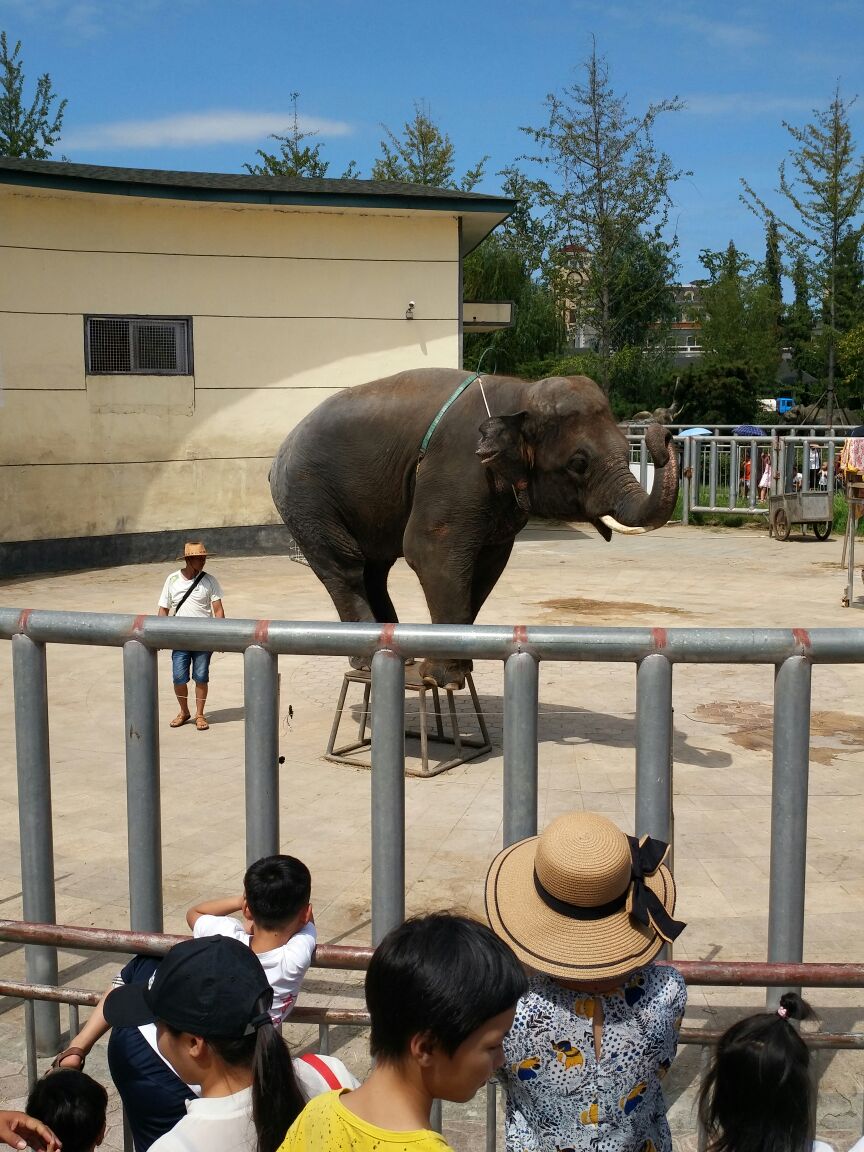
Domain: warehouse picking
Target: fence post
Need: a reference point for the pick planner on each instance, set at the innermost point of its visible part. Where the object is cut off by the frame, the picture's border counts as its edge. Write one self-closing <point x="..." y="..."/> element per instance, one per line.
<point x="143" y="808"/>
<point x="654" y="748"/>
<point x="712" y="473"/>
<point x="35" y="824"/>
<point x="521" y="679"/>
<point x="789" y="788"/>
<point x="686" y="483"/>
<point x="261" y="706"/>
<point x="388" y="793"/>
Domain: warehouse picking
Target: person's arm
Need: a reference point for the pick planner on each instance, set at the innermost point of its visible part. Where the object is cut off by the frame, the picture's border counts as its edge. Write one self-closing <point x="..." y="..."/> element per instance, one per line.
<point x="19" y="1130"/>
<point x="224" y="907"/>
<point x="218" y="610"/>
<point x="162" y="611"/>
<point x="93" y="1030"/>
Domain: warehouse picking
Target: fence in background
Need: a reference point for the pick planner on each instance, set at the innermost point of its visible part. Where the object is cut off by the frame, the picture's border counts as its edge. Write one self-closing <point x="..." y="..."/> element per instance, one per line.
<point x="329" y="956"/>
<point x="712" y="467"/>
<point x="654" y="652"/>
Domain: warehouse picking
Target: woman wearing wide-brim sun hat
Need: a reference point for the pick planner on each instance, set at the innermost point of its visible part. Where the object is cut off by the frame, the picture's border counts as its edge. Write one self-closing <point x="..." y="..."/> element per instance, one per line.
<point x="587" y="909"/>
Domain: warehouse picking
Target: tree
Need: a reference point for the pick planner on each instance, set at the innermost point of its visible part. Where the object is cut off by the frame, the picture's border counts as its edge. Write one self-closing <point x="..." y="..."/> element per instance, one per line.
<point x="719" y="392"/>
<point x="798" y="323"/>
<point x="496" y="270"/>
<point x="641" y="297"/>
<point x="295" y="157"/>
<point x="740" y="314"/>
<point x="611" y="183"/>
<point x="31" y="132"/>
<point x="849" y="283"/>
<point x="423" y="155"/>
<point x="825" y="190"/>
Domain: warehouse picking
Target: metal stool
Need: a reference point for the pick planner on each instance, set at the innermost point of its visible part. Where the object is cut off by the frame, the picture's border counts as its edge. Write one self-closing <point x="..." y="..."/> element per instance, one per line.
<point x="466" y="747"/>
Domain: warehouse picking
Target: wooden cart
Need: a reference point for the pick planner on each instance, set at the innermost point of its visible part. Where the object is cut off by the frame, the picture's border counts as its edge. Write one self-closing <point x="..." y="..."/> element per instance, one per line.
<point x="815" y="508"/>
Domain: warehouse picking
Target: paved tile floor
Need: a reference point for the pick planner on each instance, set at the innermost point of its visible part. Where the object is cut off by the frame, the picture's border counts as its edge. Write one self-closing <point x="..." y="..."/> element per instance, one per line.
<point x="676" y="577"/>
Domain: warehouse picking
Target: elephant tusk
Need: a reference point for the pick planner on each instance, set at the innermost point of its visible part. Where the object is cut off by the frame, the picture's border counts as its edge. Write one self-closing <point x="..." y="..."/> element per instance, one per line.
<point x="612" y="523"/>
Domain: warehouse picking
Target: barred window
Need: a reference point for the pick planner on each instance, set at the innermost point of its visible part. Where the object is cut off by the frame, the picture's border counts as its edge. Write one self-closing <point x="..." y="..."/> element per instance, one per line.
<point x="138" y="345"/>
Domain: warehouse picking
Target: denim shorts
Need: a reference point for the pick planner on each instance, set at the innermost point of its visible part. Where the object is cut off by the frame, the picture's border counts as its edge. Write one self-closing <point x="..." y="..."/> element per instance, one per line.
<point x="200" y="662"/>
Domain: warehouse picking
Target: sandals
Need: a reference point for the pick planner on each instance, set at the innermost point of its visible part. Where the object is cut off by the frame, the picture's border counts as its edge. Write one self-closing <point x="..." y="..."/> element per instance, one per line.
<point x="56" y="1063"/>
<point x="201" y="724"/>
<point x="180" y="720"/>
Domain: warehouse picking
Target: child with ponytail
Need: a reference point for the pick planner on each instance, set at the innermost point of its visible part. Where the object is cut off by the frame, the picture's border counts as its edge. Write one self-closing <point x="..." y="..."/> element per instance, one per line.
<point x="210" y="1000"/>
<point x="758" y="1095"/>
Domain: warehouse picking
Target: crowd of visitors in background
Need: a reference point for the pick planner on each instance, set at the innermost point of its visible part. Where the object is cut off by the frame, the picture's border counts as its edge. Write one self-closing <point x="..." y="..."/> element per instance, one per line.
<point x="559" y="996"/>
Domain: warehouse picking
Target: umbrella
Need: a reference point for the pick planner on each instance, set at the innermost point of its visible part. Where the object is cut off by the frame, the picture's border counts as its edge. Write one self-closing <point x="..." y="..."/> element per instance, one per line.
<point x="695" y="432"/>
<point x="748" y="430"/>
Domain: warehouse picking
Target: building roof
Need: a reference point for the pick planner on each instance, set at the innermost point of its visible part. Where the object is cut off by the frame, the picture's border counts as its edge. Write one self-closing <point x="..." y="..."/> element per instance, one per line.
<point x="479" y="213"/>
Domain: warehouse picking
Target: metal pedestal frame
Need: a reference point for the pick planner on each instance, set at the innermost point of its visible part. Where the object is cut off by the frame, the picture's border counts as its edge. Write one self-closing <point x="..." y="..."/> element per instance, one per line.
<point x="855" y="503"/>
<point x="466" y="747"/>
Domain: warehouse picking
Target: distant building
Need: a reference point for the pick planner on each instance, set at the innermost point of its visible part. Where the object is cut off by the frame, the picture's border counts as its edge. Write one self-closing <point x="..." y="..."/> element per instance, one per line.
<point x="685" y="333"/>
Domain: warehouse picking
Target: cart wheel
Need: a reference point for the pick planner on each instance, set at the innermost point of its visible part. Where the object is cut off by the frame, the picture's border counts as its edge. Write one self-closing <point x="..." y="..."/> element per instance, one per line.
<point x="822" y="529"/>
<point x="782" y="527"/>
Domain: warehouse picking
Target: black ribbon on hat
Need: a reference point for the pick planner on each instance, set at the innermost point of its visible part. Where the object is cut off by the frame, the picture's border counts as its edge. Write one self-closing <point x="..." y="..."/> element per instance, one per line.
<point x="645" y="906"/>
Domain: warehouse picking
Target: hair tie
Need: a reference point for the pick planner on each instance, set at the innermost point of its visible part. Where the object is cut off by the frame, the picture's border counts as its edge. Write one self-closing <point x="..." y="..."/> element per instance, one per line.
<point x="782" y="1012"/>
<point x="257" y="1022"/>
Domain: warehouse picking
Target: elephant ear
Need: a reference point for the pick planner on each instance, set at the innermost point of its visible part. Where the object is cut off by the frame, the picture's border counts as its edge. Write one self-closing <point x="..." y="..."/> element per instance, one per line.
<point x="503" y="449"/>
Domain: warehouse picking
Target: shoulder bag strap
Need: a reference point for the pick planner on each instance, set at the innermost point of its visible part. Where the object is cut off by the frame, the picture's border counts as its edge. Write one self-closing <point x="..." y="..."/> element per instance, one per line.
<point x="188" y="592"/>
<point x="323" y="1069"/>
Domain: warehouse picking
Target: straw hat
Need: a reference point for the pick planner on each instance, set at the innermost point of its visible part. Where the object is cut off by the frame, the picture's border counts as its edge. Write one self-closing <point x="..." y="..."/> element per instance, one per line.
<point x="583" y="901"/>
<point x="193" y="548"/>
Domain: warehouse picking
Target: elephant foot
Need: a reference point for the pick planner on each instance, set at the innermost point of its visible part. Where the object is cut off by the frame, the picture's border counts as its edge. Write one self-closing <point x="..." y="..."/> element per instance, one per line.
<point x="449" y="674"/>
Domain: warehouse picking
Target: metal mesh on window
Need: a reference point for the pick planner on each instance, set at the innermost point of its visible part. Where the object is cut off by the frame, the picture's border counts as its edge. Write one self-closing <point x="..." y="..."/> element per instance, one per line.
<point x="142" y="346"/>
<point x="109" y="346"/>
<point x="156" y="348"/>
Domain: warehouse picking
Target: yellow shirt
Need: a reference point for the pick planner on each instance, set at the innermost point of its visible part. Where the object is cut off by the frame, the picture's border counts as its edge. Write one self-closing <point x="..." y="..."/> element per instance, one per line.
<point x="326" y="1125"/>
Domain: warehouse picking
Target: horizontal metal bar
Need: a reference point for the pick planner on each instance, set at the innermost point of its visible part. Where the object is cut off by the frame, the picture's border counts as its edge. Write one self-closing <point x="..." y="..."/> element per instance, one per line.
<point x="722" y="973"/>
<point x="359" y="1018"/>
<point x="485" y="642"/>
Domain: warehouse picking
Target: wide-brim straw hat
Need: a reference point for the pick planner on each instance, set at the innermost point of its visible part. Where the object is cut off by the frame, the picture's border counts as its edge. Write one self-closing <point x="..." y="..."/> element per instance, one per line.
<point x="193" y="548"/>
<point x="583" y="901"/>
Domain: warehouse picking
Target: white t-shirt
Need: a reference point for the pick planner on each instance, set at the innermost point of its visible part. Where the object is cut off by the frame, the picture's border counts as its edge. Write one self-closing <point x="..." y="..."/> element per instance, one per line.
<point x="285" y="967"/>
<point x="217" y="1124"/>
<point x="224" y="1124"/>
<point x="200" y="603"/>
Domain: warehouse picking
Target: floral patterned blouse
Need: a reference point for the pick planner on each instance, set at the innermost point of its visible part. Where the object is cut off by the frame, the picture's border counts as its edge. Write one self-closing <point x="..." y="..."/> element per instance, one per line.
<point x="559" y="1098"/>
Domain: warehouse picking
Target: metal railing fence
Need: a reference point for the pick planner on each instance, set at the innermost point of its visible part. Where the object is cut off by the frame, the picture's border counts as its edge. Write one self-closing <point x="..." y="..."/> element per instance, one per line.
<point x="654" y="652"/>
<point x="699" y="973"/>
<point x="712" y="467"/>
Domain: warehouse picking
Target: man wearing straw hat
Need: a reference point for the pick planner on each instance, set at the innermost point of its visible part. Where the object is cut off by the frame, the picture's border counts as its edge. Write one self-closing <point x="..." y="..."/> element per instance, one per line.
<point x="190" y="591"/>
<point x="587" y="909"/>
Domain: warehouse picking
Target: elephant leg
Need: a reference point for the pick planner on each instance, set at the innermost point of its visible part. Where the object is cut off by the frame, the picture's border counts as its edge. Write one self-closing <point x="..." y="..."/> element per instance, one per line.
<point x="491" y="562"/>
<point x="446" y="579"/>
<point x="375" y="579"/>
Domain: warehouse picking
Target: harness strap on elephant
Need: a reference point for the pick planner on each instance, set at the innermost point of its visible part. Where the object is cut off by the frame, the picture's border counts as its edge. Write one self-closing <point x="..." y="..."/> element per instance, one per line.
<point x="440" y="413"/>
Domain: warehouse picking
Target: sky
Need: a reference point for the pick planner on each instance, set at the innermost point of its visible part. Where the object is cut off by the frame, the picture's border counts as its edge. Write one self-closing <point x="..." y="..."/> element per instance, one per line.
<point x="199" y="85"/>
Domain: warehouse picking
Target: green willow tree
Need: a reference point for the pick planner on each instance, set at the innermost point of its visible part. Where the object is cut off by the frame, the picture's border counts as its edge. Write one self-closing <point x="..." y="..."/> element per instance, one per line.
<point x="823" y="185"/>
<point x="609" y="182"/>
<point x="29" y="132"/>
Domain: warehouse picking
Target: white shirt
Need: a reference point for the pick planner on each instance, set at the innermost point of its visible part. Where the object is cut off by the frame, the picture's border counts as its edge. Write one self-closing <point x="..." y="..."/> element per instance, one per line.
<point x="216" y="1124"/>
<point x="285" y="967"/>
<point x="200" y="603"/>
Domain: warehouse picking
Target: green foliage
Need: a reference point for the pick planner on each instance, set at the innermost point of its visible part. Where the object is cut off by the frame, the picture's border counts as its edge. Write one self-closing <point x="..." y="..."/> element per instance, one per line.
<point x="638" y="379"/>
<point x="423" y="154"/>
<point x="850" y="360"/>
<point x="716" y="392"/>
<point x="641" y="297"/>
<point x="496" y="271"/>
<point x="295" y="157"/>
<point x="823" y="185"/>
<point x="798" y="323"/>
<point x="740" y="322"/>
<point x="849" y="283"/>
<point x="29" y="133"/>
<point x="609" y="184"/>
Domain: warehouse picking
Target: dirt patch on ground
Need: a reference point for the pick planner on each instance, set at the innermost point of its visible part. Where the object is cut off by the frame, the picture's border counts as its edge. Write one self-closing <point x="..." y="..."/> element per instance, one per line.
<point x="752" y="727"/>
<point x="577" y="606"/>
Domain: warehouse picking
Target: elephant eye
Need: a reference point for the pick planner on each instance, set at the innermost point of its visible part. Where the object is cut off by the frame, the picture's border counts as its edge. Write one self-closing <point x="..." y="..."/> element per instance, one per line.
<point x="578" y="463"/>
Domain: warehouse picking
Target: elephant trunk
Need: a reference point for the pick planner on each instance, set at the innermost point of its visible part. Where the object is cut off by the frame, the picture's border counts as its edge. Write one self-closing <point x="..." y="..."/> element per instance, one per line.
<point x="636" y="510"/>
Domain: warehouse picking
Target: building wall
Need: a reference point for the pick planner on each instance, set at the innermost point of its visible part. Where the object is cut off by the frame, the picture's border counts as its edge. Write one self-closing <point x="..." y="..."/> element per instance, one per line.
<point x="288" y="305"/>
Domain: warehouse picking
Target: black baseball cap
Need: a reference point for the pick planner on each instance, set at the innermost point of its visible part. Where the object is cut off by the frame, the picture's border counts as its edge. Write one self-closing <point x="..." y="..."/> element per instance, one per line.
<point x="214" y="986"/>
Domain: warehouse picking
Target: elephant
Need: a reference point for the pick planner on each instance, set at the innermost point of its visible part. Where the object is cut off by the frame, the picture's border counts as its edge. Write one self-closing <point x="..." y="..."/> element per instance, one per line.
<point x="356" y="490"/>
